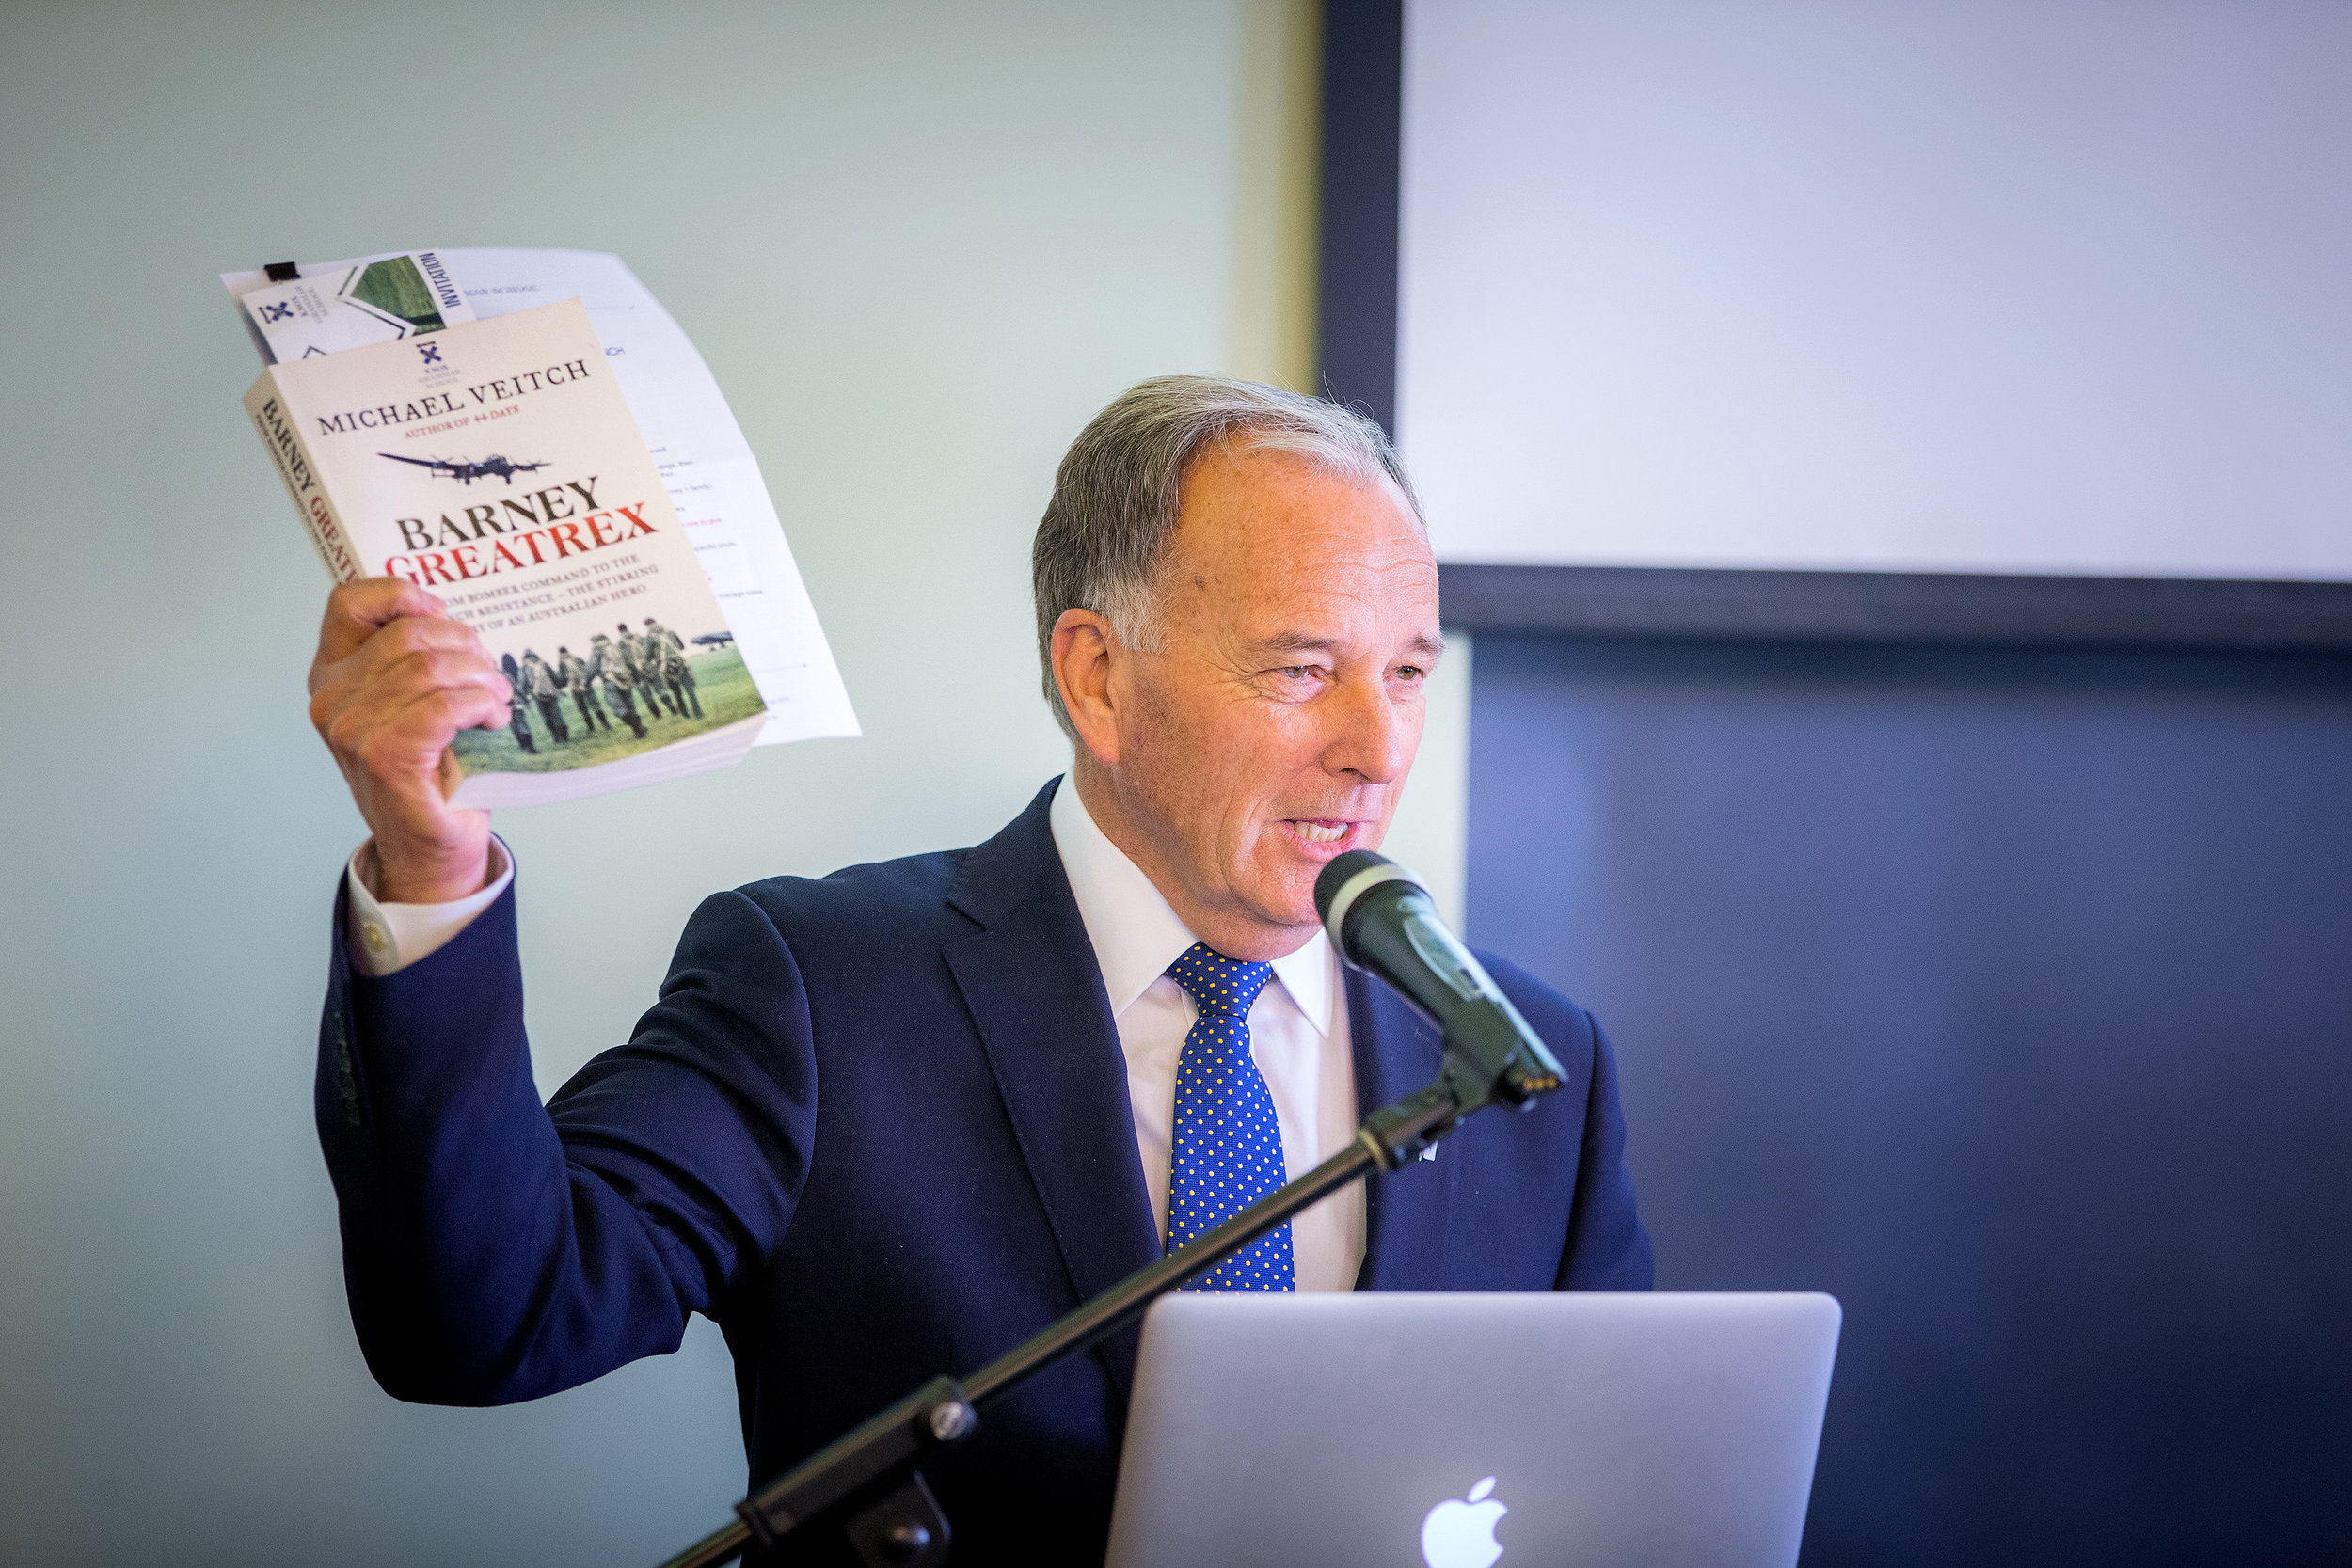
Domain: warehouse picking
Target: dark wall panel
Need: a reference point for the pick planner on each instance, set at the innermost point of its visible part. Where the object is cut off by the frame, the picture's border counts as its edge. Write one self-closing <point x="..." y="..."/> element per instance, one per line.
<point x="2007" y="995"/>
<point x="1364" y="73"/>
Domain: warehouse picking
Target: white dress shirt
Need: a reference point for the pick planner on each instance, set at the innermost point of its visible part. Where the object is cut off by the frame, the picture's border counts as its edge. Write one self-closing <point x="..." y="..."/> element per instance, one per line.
<point x="1297" y="1037"/>
<point x="1298" y="1026"/>
<point x="382" y="937"/>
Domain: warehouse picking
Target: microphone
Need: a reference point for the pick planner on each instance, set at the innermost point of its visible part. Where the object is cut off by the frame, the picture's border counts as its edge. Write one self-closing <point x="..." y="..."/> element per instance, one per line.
<point x="1381" y="919"/>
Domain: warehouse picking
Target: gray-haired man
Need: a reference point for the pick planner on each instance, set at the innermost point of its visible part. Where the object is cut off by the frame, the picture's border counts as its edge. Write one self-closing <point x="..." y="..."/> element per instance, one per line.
<point x="887" y="1124"/>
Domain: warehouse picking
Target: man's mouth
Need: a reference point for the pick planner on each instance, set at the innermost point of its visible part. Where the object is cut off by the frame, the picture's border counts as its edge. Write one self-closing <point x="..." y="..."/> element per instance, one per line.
<point x="1323" y="836"/>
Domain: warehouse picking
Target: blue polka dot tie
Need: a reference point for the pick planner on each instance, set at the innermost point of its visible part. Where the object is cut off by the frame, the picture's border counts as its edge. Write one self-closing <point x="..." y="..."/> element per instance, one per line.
<point x="1228" y="1147"/>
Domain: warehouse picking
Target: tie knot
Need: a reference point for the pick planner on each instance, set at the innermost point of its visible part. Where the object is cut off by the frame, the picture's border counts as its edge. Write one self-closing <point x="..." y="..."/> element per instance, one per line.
<point x="1217" y="984"/>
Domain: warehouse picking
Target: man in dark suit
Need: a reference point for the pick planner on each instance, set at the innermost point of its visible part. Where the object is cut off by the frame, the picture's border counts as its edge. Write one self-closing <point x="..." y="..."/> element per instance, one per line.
<point x="889" y="1123"/>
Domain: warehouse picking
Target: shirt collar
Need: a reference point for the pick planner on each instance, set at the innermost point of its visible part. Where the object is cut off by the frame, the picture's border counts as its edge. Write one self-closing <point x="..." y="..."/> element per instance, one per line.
<point x="1136" y="932"/>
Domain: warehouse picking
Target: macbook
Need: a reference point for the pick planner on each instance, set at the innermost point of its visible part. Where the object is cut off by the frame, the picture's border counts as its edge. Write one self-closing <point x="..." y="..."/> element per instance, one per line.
<point x="1467" y="1430"/>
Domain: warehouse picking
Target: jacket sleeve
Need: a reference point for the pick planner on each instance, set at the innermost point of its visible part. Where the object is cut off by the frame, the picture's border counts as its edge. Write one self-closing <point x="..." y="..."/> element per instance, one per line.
<point x="1607" y="1247"/>
<point x="496" y="1250"/>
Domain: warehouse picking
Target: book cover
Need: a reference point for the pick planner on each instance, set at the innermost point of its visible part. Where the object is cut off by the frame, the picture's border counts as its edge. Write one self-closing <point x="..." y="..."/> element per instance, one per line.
<point x="496" y="464"/>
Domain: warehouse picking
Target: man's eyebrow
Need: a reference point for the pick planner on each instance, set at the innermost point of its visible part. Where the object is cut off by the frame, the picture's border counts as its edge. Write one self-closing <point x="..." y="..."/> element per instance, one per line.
<point x="1308" y="642"/>
<point x="1295" y="642"/>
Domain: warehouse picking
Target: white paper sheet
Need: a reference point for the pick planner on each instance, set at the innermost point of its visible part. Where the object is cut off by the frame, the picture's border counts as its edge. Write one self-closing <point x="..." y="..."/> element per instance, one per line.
<point x="333" y="311"/>
<point x="712" y="476"/>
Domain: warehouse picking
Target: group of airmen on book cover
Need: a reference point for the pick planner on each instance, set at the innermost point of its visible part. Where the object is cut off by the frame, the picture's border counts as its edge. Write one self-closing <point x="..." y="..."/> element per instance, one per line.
<point x="619" y="673"/>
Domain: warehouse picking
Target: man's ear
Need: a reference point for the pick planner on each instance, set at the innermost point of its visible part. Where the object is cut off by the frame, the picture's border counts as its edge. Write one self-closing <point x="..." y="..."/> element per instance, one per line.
<point x="1084" y="652"/>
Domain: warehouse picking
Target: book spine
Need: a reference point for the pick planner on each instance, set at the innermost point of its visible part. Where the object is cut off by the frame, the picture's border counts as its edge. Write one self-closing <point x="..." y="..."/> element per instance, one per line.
<point x="282" y="434"/>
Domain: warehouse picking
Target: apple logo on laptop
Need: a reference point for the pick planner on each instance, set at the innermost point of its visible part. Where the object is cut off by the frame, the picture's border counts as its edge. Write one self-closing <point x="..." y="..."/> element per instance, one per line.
<point x="1460" y="1533"/>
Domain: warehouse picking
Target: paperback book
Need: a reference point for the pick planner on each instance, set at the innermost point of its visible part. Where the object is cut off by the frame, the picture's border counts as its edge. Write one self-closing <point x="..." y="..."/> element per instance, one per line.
<point x="555" y="540"/>
<point x="529" y="435"/>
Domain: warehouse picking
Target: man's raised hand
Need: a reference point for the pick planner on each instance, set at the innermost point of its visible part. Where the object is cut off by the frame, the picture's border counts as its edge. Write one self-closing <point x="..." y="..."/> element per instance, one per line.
<point x="394" y="681"/>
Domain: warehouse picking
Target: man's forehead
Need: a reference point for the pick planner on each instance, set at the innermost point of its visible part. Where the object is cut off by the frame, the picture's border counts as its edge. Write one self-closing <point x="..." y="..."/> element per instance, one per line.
<point x="1276" y="553"/>
<point x="1273" y="512"/>
<point x="1324" y="599"/>
<point x="1271" y="476"/>
<point x="1315" y="572"/>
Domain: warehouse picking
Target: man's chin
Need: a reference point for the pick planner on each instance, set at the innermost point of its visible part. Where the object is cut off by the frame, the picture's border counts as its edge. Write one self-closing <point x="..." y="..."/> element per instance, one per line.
<point x="1283" y="890"/>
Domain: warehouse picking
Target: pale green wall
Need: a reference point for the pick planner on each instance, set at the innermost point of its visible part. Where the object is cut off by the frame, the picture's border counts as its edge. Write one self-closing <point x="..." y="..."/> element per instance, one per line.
<point x="919" y="245"/>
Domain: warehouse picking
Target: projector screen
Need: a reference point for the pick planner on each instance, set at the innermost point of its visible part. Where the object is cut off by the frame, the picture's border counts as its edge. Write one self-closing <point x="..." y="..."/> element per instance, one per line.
<point x="1951" y="286"/>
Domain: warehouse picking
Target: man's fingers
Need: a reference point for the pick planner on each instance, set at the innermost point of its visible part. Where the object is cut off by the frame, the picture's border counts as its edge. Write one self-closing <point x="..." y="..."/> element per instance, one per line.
<point x="433" y="718"/>
<point x="410" y="637"/>
<point x="356" y="609"/>
<point x="406" y="676"/>
<point x="390" y="695"/>
<point x="365" y="688"/>
<point x="399" y="747"/>
<point x="397" y="646"/>
<point x="395" y="679"/>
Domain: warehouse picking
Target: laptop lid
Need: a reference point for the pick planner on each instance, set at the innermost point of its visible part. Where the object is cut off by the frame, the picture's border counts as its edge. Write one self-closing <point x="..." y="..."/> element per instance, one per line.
<point x="1464" y="1430"/>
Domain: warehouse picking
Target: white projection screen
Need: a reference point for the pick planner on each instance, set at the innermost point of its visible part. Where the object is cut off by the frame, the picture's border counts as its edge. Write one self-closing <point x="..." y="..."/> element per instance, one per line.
<point x="1946" y="286"/>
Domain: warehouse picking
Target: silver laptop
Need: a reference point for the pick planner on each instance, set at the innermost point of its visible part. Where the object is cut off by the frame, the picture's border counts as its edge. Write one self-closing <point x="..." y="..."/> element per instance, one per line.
<point x="1461" y="1431"/>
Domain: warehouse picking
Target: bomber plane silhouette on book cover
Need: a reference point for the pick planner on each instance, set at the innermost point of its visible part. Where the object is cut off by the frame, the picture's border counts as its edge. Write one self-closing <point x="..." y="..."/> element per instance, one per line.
<point x="465" y="472"/>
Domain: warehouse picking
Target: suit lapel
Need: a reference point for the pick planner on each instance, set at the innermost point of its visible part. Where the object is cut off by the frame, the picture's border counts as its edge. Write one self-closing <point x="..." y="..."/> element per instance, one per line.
<point x="1406" y="1213"/>
<point x="1029" y="978"/>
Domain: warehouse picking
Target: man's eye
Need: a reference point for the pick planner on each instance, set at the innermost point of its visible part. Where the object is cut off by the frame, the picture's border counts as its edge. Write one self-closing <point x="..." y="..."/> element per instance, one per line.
<point x="1410" y="672"/>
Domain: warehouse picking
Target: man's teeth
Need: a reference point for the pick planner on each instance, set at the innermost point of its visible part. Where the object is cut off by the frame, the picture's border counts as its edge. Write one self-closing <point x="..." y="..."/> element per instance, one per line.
<point x="1315" y="833"/>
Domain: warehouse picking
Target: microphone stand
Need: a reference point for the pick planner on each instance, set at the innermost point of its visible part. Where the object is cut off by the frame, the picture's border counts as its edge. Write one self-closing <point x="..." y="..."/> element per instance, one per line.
<point x="869" y="1478"/>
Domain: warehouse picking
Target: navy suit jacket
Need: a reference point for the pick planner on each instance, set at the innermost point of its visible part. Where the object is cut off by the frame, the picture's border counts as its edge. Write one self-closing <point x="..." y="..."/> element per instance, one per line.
<point x="876" y="1127"/>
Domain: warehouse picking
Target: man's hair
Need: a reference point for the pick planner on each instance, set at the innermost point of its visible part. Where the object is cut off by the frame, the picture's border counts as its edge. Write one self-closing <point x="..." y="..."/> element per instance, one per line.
<point x="1101" y="544"/>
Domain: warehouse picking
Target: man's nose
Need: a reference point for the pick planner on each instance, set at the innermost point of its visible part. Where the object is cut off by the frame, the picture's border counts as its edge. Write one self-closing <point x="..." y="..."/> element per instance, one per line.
<point x="1371" y="736"/>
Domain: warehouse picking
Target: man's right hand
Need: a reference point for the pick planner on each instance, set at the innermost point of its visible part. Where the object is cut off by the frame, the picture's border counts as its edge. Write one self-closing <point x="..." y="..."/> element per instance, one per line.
<point x="394" y="681"/>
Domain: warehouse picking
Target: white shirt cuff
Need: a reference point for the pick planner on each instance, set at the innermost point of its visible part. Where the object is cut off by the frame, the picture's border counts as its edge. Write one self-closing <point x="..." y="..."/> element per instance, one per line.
<point x="383" y="938"/>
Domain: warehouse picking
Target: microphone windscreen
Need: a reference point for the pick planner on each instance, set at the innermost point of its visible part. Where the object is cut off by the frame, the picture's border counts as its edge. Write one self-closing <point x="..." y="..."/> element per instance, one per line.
<point x="1336" y="874"/>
